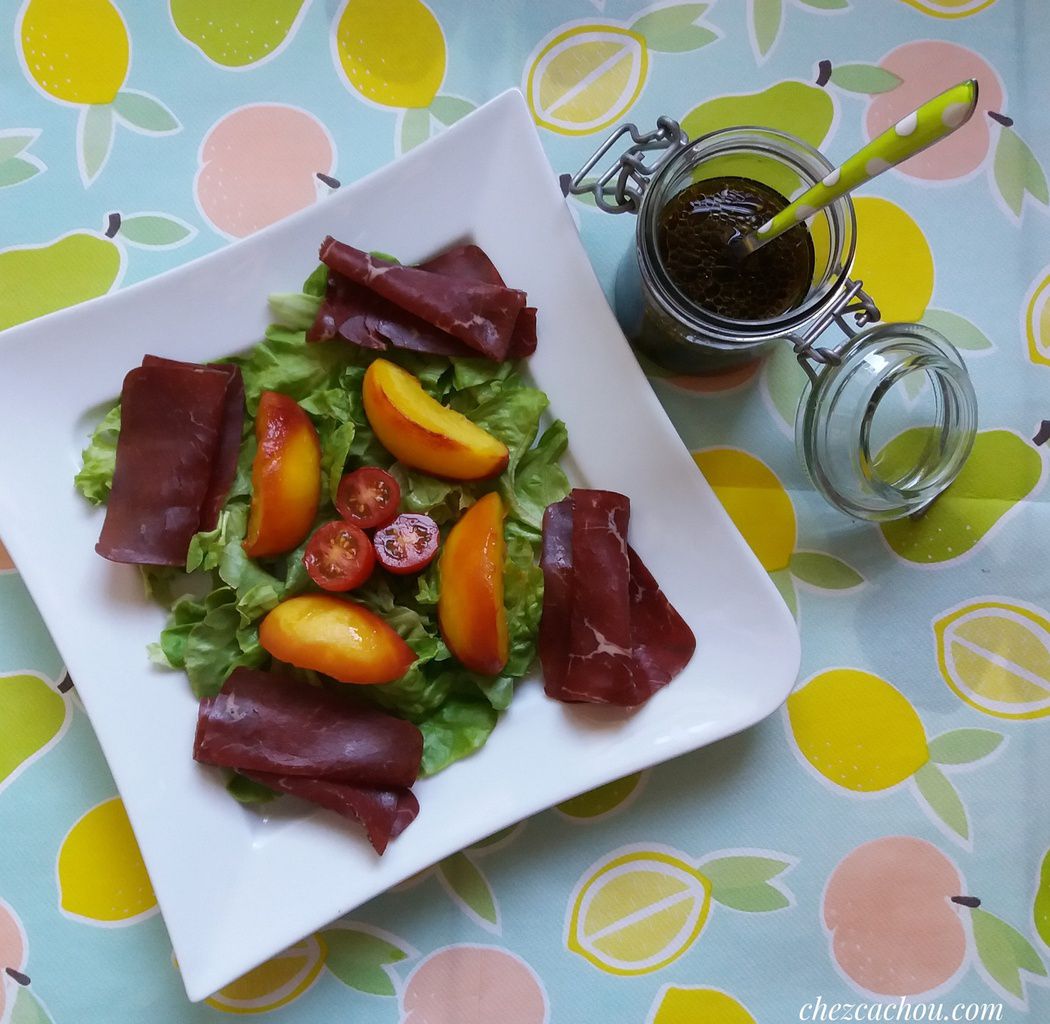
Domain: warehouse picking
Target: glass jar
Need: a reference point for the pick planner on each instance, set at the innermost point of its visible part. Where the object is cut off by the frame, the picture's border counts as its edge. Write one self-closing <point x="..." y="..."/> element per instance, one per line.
<point x="888" y="415"/>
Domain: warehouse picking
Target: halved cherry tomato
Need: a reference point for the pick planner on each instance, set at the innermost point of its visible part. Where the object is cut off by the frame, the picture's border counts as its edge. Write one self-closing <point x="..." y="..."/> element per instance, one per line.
<point x="339" y="556"/>
<point x="368" y="497"/>
<point x="408" y="544"/>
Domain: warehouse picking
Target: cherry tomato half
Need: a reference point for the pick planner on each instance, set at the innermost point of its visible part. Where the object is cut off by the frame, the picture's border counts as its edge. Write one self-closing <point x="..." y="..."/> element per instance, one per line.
<point x="368" y="497"/>
<point x="339" y="556"/>
<point x="408" y="544"/>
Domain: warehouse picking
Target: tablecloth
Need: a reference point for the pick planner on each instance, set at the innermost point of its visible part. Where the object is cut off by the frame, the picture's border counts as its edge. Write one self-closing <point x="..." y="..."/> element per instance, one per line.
<point x="882" y="842"/>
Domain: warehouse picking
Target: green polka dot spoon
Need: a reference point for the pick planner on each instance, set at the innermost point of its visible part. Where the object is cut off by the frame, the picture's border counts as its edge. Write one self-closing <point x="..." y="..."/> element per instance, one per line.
<point x="936" y="119"/>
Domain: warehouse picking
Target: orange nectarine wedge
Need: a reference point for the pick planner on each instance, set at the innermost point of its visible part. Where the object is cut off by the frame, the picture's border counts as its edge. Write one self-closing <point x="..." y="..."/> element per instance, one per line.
<point x="422" y="433"/>
<point x="470" y="608"/>
<point x="286" y="477"/>
<point x="340" y="638"/>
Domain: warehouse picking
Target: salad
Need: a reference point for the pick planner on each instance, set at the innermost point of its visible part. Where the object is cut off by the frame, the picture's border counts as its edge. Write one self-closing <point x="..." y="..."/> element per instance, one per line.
<point x="351" y="526"/>
<point x="211" y="633"/>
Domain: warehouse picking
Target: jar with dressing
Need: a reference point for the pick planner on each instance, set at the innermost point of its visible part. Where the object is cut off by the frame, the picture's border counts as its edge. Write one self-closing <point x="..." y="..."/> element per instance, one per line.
<point x="870" y="446"/>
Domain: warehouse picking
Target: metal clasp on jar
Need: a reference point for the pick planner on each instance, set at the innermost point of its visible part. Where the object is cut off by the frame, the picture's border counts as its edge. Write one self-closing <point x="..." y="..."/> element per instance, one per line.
<point x="852" y="300"/>
<point x="630" y="170"/>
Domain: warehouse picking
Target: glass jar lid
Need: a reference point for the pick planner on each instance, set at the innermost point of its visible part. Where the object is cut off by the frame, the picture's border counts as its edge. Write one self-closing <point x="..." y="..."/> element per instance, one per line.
<point x="884" y="428"/>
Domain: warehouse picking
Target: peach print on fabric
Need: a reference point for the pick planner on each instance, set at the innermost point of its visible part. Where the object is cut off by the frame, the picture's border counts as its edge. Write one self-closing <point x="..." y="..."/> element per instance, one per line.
<point x="259" y="164"/>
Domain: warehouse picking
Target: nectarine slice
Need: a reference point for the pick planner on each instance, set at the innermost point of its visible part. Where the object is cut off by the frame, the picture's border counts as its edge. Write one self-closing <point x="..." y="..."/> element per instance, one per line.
<point x="340" y="638"/>
<point x="286" y="477"/>
<point x="470" y="607"/>
<point x="424" y="434"/>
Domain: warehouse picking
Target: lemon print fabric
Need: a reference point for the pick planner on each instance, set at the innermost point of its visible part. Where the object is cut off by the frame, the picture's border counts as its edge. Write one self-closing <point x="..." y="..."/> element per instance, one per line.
<point x="78" y="53"/>
<point x="238" y="33"/>
<point x="101" y="877"/>
<point x="950" y="8"/>
<point x="762" y="511"/>
<point x="639" y="909"/>
<point x="861" y="734"/>
<point x="392" y="53"/>
<point x="273" y="984"/>
<point x="35" y="716"/>
<point x="1036" y="318"/>
<point x="1002" y="471"/>
<point x="586" y="76"/>
<point x="678" y="1005"/>
<point x="893" y="259"/>
<point x="995" y="656"/>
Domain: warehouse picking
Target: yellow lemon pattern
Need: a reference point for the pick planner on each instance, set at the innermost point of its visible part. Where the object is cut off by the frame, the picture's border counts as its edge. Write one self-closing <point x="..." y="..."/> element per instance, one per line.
<point x="755" y="500"/>
<point x="995" y="655"/>
<point x="893" y="259"/>
<point x="79" y="53"/>
<point x="950" y="8"/>
<point x="1037" y="320"/>
<point x="638" y="912"/>
<point x="863" y="735"/>
<point x="101" y="877"/>
<point x="586" y="76"/>
<point x="392" y="52"/>
<point x="857" y="730"/>
<point x="761" y="510"/>
<point x="75" y="52"/>
<point x="275" y="983"/>
<point x="640" y="909"/>
<point x="677" y="1005"/>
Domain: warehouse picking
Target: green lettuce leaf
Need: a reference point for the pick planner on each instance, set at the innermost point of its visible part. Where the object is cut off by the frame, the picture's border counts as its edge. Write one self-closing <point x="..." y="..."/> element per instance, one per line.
<point x="248" y="791"/>
<point x="99" y="459"/>
<point x="454" y="730"/>
<point x="538" y="480"/>
<point x="295" y="310"/>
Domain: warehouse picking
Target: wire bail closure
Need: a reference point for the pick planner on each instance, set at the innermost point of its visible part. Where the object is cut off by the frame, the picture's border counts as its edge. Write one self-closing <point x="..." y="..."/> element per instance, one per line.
<point x="853" y="300"/>
<point x="631" y="171"/>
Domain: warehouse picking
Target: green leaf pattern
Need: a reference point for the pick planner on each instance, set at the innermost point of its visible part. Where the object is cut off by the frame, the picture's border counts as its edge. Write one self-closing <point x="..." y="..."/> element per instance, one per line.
<point x="94" y="140"/>
<point x="964" y="746"/>
<point x="1018" y="173"/>
<point x="823" y="571"/>
<point x="362" y="957"/>
<point x="470" y="890"/>
<point x="746" y="882"/>
<point x="674" y="29"/>
<point x="942" y="799"/>
<point x="1004" y="953"/>
<point x="867" y="79"/>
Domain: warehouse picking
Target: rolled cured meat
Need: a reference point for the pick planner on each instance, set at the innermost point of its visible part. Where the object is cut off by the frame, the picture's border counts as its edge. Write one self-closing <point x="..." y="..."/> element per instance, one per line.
<point x="228" y="448"/>
<point x="608" y="634"/>
<point x="480" y="314"/>
<point x="355" y="313"/>
<point x="171" y="423"/>
<point x="263" y="722"/>
<point x="383" y="813"/>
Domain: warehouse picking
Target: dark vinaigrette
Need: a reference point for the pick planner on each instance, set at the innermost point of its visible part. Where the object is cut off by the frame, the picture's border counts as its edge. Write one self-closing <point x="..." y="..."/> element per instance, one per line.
<point x="695" y="229"/>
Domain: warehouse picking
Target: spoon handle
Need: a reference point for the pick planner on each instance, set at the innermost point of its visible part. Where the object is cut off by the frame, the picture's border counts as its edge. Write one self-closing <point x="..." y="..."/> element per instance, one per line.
<point x="933" y="121"/>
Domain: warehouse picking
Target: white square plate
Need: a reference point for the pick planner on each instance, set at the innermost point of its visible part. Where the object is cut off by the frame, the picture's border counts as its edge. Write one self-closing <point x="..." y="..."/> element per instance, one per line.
<point x="485" y="179"/>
